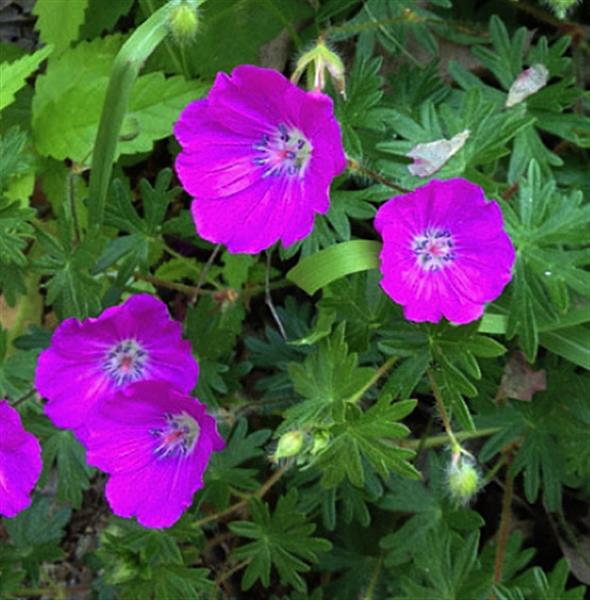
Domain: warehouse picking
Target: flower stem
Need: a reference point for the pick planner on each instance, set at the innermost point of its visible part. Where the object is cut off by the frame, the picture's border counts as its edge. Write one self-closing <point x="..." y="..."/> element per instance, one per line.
<point x="354" y="165"/>
<point x="260" y="493"/>
<point x="382" y="370"/>
<point x="442" y="411"/>
<point x="504" y="528"/>
<point x="441" y="440"/>
<point x="133" y="54"/>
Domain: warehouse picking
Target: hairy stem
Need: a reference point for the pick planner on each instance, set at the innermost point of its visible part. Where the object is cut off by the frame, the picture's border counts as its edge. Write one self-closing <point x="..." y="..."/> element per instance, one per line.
<point x="442" y="411"/>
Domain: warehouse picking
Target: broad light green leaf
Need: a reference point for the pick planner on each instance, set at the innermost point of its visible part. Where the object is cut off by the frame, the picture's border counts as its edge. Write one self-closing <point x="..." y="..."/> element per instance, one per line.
<point x="69" y="98"/>
<point x="320" y="269"/>
<point x="59" y="21"/>
<point x="13" y="75"/>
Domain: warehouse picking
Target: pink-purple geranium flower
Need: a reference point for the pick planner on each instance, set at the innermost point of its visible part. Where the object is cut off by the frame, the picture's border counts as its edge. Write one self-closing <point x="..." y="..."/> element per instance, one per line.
<point x="258" y="156"/>
<point x="89" y="360"/>
<point x="20" y="462"/>
<point x="445" y="252"/>
<point x="155" y="442"/>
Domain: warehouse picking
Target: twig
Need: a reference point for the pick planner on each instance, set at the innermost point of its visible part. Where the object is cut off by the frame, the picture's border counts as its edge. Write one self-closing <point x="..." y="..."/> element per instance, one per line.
<point x="204" y="271"/>
<point x="24" y="397"/>
<point x="268" y="298"/>
<point x="189" y="290"/>
<point x="441" y="440"/>
<point x="354" y="165"/>
<point x="504" y="528"/>
<point x="262" y="491"/>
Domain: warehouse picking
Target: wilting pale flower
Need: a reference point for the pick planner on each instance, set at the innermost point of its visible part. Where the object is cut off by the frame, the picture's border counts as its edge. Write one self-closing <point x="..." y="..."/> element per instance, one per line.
<point x="154" y="441"/>
<point x="431" y="156"/>
<point x="20" y="462"/>
<point x="89" y="360"/>
<point x="529" y="82"/>
<point x="258" y="155"/>
<point x="445" y="252"/>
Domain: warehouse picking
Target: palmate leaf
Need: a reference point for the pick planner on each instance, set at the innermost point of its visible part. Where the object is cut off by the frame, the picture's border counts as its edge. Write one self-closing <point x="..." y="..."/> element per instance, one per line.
<point x="366" y="438"/>
<point x="430" y="509"/>
<point x="225" y="471"/>
<point x="448" y="570"/>
<point x="545" y="226"/>
<point x="328" y="377"/>
<point x="70" y="287"/>
<point x="16" y="370"/>
<point x="490" y="131"/>
<point x="35" y="534"/>
<point x="64" y="454"/>
<point x="143" y="242"/>
<point x="507" y="59"/>
<point x="282" y="539"/>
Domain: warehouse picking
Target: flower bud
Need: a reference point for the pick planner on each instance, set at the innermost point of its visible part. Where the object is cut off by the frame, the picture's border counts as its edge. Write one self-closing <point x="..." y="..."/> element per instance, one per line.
<point x="320" y="441"/>
<point x="561" y="7"/>
<point x="463" y="478"/>
<point x="184" y="21"/>
<point x="322" y="59"/>
<point x="289" y="445"/>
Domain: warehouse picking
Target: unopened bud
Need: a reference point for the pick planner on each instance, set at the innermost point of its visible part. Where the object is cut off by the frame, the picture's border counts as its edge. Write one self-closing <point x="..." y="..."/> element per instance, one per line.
<point x="321" y="59"/>
<point x="184" y="21"/>
<point x="289" y="445"/>
<point x="463" y="478"/>
<point x="561" y="7"/>
<point x="320" y="441"/>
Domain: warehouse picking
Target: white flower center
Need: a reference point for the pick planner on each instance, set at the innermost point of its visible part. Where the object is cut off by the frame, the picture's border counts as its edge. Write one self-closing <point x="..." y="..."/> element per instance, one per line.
<point x="178" y="436"/>
<point x="285" y="152"/>
<point x="125" y="362"/>
<point x="433" y="249"/>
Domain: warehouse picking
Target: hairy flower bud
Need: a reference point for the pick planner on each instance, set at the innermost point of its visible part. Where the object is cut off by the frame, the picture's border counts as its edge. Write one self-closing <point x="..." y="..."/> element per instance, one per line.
<point x="561" y="7"/>
<point x="184" y="21"/>
<point x="322" y="59"/>
<point x="463" y="478"/>
<point x="289" y="445"/>
<point x="320" y="441"/>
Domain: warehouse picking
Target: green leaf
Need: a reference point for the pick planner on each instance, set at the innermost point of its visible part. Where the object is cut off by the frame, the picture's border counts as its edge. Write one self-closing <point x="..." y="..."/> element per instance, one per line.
<point x="320" y="269"/>
<point x="14" y="75"/>
<point x="282" y="539"/>
<point x="571" y="343"/>
<point x="328" y="377"/>
<point x="70" y="288"/>
<point x="366" y="438"/>
<point x="69" y="98"/>
<point x="225" y="471"/>
<point x="64" y="453"/>
<point x="59" y="21"/>
<point x="16" y="370"/>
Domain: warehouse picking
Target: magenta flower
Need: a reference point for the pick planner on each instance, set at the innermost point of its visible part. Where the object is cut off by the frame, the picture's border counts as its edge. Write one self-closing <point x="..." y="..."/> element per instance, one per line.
<point x="20" y="462"/>
<point x="155" y="442"/>
<point x="445" y="252"/>
<point x="91" y="359"/>
<point x="258" y="155"/>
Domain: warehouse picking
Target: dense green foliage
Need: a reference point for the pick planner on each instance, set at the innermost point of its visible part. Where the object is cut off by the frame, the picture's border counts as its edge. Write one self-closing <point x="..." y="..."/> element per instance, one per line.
<point x="361" y="507"/>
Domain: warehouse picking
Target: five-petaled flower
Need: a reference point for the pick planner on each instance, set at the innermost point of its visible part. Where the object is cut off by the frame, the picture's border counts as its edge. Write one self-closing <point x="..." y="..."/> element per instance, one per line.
<point x="445" y="252"/>
<point x="89" y="360"/>
<point x="20" y="462"/>
<point x="258" y="156"/>
<point x="155" y="442"/>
